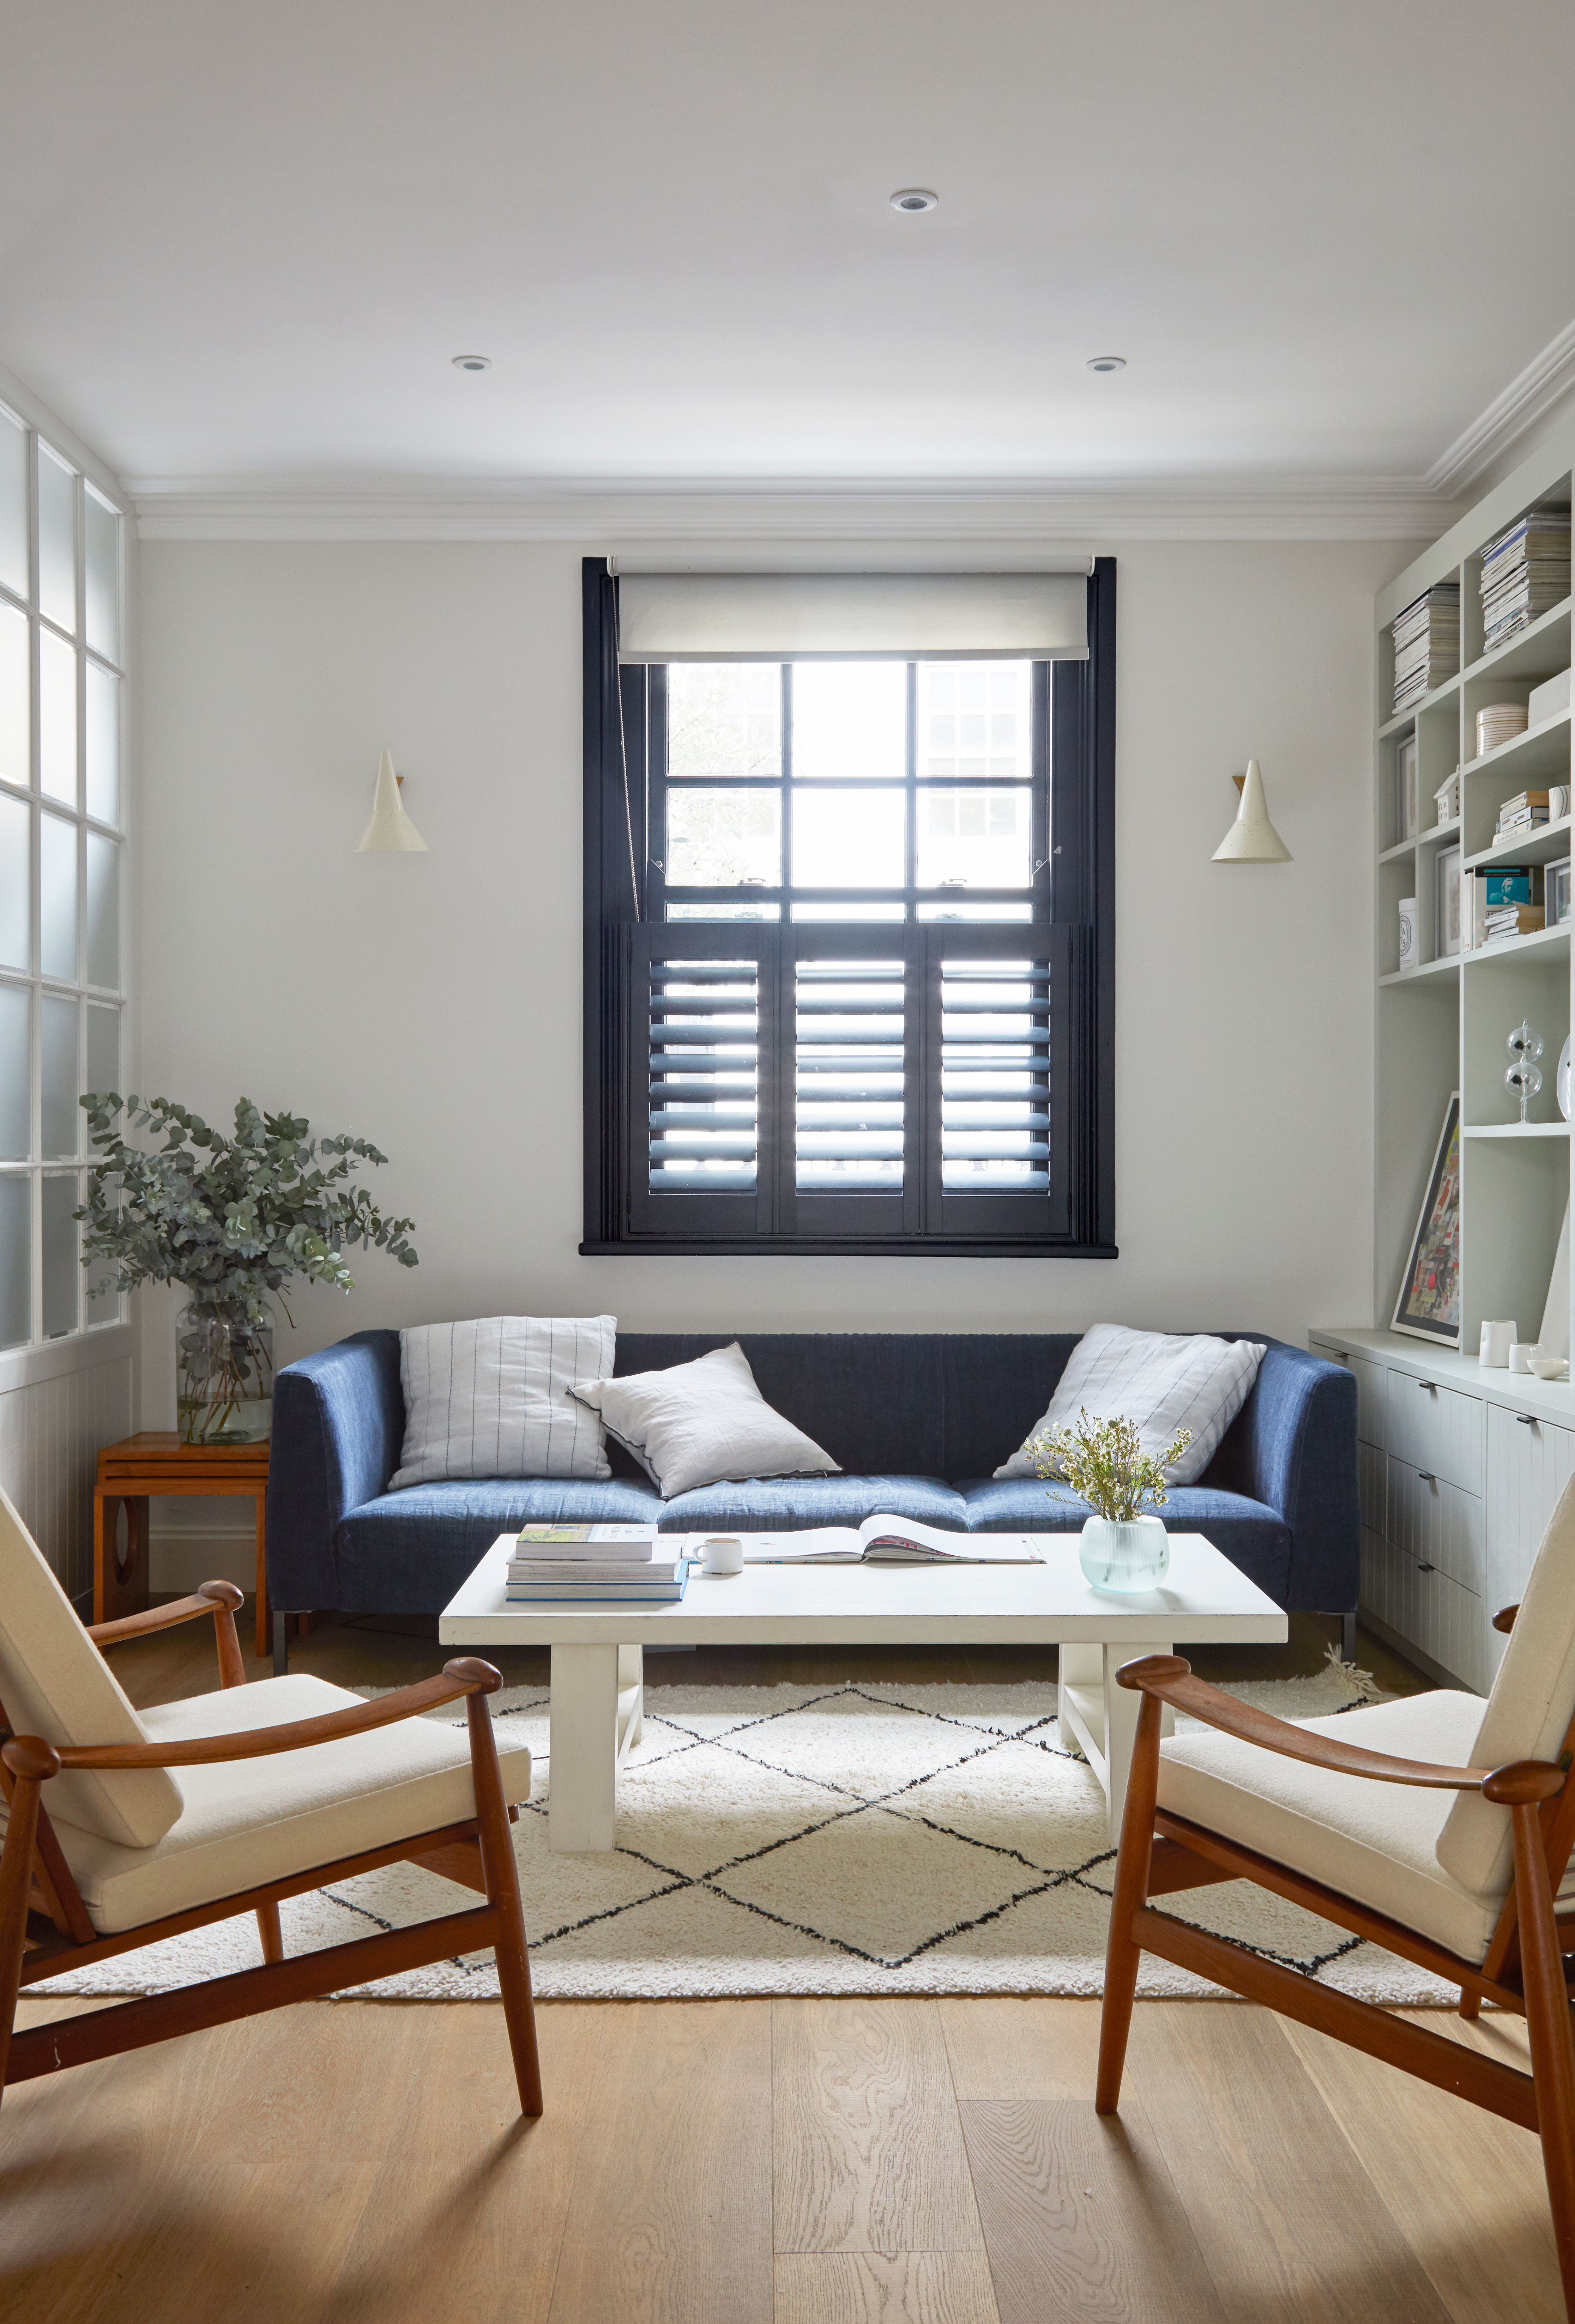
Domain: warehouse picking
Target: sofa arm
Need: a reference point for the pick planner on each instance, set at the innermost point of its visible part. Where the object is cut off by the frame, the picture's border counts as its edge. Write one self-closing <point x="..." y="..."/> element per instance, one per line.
<point x="339" y="1425"/>
<point x="1294" y="1446"/>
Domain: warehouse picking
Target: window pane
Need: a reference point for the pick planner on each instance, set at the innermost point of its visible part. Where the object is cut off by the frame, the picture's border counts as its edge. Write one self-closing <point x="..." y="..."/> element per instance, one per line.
<point x="15" y="913"/>
<point x="101" y="535"/>
<point x="60" y="1270"/>
<point x="975" y="835"/>
<point x="848" y="838"/>
<point x="103" y="912"/>
<point x="56" y="719"/>
<point x="724" y="912"/>
<point x="103" y="744"/>
<point x="102" y="1049"/>
<point x="721" y="839"/>
<point x="974" y="720"/>
<point x="950" y="911"/>
<point x="13" y="504"/>
<point x="850" y="720"/>
<point x="16" y="762"/>
<point x="855" y="909"/>
<point x="57" y="539"/>
<point x="101" y="1292"/>
<point x="58" y="899"/>
<point x="15" y="1075"/>
<point x="16" y="1262"/>
<point x="724" y="718"/>
<point x="58" y="1076"/>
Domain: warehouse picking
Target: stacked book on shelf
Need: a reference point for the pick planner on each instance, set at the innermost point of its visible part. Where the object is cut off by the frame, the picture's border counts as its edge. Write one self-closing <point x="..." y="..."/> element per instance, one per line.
<point x="1504" y="899"/>
<point x="1528" y="811"/>
<point x="1524" y="572"/>
<point x="591" y="1564"/>
<point x="1427" y="642"/>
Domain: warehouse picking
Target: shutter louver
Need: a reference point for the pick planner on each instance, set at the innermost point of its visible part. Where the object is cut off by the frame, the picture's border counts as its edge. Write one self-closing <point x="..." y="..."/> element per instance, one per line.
<point x="849" y="1032"/>
<point x="704" y="1048"/>
<point x="995" y="1076"/>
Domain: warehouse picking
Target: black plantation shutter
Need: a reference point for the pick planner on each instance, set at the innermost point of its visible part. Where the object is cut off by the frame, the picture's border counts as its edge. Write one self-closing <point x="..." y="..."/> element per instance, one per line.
<point x="701" y="1121"/>
<point x="999" y="1082"/>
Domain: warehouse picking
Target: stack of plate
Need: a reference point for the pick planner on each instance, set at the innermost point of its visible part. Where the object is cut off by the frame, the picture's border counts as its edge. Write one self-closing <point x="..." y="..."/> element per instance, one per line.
<point x="1499" y="723"/>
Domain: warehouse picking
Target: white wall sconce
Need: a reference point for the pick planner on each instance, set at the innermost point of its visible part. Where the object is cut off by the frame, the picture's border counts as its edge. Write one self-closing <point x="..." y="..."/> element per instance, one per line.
<point x="389" y="830"/>
<point x="1252" y="837"/>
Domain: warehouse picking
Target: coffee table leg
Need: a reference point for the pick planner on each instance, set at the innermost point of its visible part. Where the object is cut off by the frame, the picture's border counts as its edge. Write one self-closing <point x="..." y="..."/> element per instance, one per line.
<point x="1122" y="1705"/>
<point x="583" y="1750"/>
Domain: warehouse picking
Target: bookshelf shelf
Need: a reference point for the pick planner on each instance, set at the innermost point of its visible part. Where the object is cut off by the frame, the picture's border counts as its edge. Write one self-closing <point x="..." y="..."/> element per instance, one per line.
<point x="1542" y="750"/>
<point x="1549" y="942"/>
<point x="1543" y="846"/>
<point x="1516" y="1130"/>
<point x="1540" y="651"/>
<point x="1448" y="967"/>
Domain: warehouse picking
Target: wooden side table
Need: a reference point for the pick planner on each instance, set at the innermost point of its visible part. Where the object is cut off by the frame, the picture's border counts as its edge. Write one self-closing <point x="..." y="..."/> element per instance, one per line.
<point x="151" y="1466"/>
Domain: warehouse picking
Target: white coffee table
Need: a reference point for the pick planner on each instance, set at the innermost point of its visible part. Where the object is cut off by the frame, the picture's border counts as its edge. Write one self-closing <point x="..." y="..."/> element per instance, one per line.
<point x="597" y="1681"/>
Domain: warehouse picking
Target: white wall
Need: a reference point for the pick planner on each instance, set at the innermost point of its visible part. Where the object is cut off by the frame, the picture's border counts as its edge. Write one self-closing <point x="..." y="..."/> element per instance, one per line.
<point x="431" y="1002"/>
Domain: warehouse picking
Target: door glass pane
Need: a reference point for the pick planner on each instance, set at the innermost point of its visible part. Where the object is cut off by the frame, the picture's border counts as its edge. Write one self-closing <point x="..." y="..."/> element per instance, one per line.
<point x="724" y="718"/>
<point x="723" y="839"/>
<point x="15" y="1076"/>
<point x="101" y="1292"/>
<point x="16" y="1262"/>
<point x="103" y="744"/>
<point x="977" y="836"/>
<point x="58" y="899"/>
<point x="57" y="539"/>
<point x="848" y="838"/>
<point x="15" y="913"/>
<point x="974" y="720"/>
<point x="13" y="504"/>
<point x="14" y="760"/>
<point x="57" y="717"/>
<point x="850" y="720"/>
<point x="61" y="1274"/>
<point x="103" y="1050"/>
<point x="103" y="912"/>
<point x="57" y="1073"/>
<point x="101" y="536"/>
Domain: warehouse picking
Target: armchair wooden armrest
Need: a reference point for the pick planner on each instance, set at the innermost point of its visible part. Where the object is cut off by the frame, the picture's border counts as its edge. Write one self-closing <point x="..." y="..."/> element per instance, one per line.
<point x="464" y="1676"/>
<point x="219" y="1598"/>
<point x="1170" y="1678"/>
<point x="1505" y="1619"/>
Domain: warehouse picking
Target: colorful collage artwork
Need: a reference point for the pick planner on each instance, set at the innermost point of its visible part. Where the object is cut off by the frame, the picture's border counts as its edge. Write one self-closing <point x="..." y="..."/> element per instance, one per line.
<point x="1429" y="1295"/>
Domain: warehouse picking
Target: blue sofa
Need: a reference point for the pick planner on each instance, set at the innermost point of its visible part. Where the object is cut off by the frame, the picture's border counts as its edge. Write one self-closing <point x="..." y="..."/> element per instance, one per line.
<point x="917" y="1420"/>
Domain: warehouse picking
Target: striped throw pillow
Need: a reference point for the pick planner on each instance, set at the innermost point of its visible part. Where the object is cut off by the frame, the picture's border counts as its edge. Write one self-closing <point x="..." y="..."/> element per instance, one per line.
<point x="491" y="1399"/>
<point x="1163" y="1380"/>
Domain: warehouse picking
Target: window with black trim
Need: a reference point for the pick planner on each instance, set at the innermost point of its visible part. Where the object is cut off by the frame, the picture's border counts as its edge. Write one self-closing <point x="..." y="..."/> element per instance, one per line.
<point x="849" y="949"/>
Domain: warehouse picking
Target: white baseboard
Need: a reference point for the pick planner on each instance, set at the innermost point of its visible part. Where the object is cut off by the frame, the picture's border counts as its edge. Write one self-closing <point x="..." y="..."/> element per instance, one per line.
<point x="179" y="1559"/>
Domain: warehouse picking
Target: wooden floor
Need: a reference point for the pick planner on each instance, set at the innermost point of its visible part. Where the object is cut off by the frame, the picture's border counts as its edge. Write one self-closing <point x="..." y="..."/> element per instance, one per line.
<point x="789" y="2162"/>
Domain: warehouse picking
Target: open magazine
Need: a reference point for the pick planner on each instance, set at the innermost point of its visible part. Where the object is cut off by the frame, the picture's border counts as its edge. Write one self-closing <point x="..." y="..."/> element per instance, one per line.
<point x="885" y="1540"/>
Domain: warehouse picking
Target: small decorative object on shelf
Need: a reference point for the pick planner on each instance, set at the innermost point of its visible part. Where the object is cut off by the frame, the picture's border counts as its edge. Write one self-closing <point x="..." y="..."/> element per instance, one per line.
<point x="1556" y="891"/>
<point x="1123" y="1546"/>
<point x="1447" y="918"/>
<point x="1500" y="721"/>
<point x="1447" y="798"/>
<point x="1522" y="1075"/>
<point x="1497" y="1338"/>
<point x="1405" y="811"/>
<point x="1408" y="931"/>
<point x="1561" y="1080"/>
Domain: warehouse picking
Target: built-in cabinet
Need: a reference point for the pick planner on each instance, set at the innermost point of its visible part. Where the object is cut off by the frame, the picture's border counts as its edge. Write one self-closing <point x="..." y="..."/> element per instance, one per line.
<point x="1459" y="1471"/>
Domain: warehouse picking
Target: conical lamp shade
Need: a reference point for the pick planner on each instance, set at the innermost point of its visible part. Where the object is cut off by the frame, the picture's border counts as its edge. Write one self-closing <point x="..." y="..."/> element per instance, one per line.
<point x="389" y="831"/>
<point x="1252" y="837"/>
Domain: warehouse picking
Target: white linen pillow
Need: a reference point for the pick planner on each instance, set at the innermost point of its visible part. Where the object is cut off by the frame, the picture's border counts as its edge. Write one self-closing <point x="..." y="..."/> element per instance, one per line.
<point x="704" y="1422"/>
<point x="1163" y="1380"/>
<point x="491" y="1399"/>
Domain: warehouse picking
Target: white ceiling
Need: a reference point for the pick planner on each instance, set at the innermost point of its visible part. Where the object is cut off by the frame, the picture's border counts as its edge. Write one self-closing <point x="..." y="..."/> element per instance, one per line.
<point x="244" y="242"/>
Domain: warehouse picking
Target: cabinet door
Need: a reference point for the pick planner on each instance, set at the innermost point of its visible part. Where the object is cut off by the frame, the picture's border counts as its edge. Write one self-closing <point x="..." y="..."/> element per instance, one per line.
<point x="1529" y="1464"/>
<point x="1435" y="1428"/>
<point x="1370" y="1486"/>
<point x="1368" y="1375"/>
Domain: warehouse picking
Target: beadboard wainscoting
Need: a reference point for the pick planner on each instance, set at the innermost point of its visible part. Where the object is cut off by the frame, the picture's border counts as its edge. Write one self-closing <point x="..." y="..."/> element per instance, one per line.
<point x="57" y="1407"/>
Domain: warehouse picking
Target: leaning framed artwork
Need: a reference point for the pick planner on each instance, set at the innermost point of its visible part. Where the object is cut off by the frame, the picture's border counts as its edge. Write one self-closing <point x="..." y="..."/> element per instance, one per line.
<point x="1428" y="1306"/>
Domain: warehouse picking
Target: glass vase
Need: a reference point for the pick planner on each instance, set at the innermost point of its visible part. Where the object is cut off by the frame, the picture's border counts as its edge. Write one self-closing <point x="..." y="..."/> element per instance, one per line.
<point x="1132" y="1555"/>
<point x="224" y="1376"/>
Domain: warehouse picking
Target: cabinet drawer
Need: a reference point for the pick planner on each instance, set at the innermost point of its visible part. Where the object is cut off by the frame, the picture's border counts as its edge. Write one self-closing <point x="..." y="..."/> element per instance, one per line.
<point x="1371" y="1485"/>
<point x="1368" y="1377"/>
<point x="1529" y="1464"/>
<point x="1436" y="1524"/>
<point x="1427" y="1609"/>
<point x="1435" y="1428"/>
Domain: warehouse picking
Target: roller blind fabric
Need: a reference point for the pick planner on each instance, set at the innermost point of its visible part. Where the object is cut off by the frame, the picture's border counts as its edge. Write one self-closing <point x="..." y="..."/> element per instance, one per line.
<point x="665" y="617"/>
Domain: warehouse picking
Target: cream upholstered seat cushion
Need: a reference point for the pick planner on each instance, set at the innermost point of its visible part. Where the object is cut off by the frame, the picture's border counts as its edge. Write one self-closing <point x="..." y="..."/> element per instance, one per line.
<point x="244" y="1822"/>
<point x="1374" y="1842"/>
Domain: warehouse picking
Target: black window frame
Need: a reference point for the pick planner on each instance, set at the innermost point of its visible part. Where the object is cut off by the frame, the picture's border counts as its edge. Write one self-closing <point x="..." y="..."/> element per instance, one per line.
<point x="624" y="932"/>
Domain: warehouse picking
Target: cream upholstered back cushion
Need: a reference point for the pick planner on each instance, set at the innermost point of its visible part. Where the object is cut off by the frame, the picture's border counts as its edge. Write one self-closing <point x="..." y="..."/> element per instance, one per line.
<point x="55" y="1682"/>
<point x="1529" y="1711"/>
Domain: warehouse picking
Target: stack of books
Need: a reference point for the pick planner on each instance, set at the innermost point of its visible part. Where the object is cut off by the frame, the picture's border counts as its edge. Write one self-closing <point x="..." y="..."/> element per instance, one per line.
<point x="1528" y="811"/>
<point x="1427" y="643"/>
<point x="1524" y="572"/>
<point x="1514" y="920"/>
<point x="587" y="1565"/>
<point x="1499" y="901"/>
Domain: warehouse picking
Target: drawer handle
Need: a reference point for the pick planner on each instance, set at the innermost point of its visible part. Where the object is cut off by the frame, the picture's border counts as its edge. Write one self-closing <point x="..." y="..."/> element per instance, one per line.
<point x="1527" y="1419"/>
<point x="1430" y="1385"/>
<point x="1427" y="1475"/>
<point x="1426" y="1569"/>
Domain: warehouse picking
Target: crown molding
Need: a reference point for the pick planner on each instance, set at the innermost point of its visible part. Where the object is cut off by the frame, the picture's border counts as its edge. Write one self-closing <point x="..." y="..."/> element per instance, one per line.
<point x="1531" y="393"/>
<point x="595" y="513"/>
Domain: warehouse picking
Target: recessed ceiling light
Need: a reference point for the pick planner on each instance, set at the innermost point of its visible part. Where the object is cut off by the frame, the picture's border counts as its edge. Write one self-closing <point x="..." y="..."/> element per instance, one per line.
<point x="471" y="362"/>
<point x="1107" y="362"/>
<point x="913" y="199"/>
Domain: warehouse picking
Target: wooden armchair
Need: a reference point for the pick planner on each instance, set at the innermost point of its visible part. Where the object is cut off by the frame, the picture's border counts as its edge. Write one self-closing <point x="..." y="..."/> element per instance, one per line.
<point x="225" y="1803"/>
<point x="1439" y="1827"/>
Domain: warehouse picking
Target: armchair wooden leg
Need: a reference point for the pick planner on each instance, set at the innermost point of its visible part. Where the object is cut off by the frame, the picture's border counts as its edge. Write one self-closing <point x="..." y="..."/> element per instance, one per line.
<point x="1552" y="2047"/>
<point x="16" y="1880"/>
<point x="271" y="1934"/>
<point x="1122" y="1953"/>
<point x="502" y="1891"/>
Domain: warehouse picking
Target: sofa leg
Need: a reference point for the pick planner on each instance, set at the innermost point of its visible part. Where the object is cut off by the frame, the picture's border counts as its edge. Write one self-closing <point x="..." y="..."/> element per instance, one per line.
<point x="1347" y="1636"/>
<point x="281" y="1644"/>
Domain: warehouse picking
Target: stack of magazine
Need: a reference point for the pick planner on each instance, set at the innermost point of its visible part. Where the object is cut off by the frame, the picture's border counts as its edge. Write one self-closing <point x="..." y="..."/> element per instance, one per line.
<point x="1524" y="572"/>
<point x="1427" y="643"/>
<point x="589" y="1565"/>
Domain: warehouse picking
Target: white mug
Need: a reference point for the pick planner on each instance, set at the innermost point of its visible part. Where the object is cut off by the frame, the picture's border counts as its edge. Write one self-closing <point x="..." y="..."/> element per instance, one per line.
<point x="724" y="1553"/>
<point x="1497" y="1338"/>
<point x="1521" y="1354"/>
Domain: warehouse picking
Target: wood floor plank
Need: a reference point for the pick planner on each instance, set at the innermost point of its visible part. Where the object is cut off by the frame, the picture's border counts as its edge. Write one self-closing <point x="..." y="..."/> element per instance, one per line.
<point x="1082" y="2218"/>
<point x="1478" y="2214"/>
<point x="670" y="2216"/>
<point x="1006" y="2046"/>
<point x="943" y="2287"/>
<point x="869" y="2153"/>
<point x="1290" y="2225"/>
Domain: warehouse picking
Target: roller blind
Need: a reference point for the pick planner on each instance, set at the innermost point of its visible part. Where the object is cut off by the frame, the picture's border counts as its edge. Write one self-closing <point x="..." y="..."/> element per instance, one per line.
<point x="664" y="617"/>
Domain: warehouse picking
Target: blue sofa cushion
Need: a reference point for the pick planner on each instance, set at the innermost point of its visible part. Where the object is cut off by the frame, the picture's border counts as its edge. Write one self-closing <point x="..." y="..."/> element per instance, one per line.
<point x="1253" y="1535"/>
<point x="793" y="1504"/>
<point x="407" y="1552"/>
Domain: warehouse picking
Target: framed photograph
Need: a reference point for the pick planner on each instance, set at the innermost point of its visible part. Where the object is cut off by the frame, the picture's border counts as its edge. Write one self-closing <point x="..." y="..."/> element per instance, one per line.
<point x="1447" y="922"/>
<point x="1428" y="1306"/>
<point x="1405" y="788"/>
<point x="1556" y="891"/>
